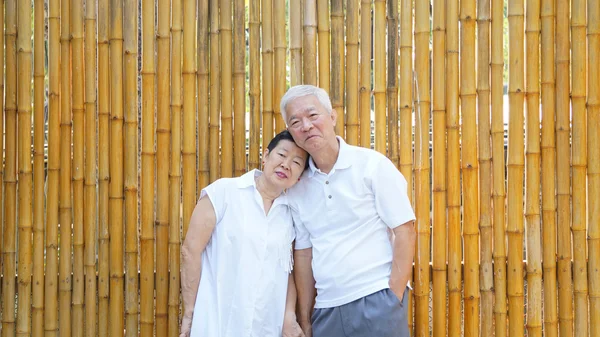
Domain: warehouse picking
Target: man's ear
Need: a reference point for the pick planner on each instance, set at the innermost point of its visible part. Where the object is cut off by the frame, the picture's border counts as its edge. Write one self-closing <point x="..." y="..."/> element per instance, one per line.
<point x="333" y="116"/>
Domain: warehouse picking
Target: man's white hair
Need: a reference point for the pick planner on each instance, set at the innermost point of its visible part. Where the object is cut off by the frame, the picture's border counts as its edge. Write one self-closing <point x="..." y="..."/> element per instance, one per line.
<point x="304" y="90"/>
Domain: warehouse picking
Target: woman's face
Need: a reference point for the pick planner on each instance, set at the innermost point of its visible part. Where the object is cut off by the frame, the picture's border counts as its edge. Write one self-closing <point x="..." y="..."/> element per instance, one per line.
<point x="284" y="165"/>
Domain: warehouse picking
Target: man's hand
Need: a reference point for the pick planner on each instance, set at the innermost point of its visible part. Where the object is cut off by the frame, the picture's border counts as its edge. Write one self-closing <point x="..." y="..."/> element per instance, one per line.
<point x="186" y="326"/>
<point x="307" y="328"/>
<point x="398" y="290"/>
<point x="291" y="327"/>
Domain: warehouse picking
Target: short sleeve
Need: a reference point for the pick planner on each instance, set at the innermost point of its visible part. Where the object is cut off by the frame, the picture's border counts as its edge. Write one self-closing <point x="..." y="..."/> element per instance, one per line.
<point x="391" y="196"/>
<point x="217" y="194"/>
<point x="302" y="235"/>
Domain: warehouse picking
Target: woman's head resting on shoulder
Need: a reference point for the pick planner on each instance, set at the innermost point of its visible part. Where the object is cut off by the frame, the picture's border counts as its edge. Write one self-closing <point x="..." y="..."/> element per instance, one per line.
<point x="283" y="161"/>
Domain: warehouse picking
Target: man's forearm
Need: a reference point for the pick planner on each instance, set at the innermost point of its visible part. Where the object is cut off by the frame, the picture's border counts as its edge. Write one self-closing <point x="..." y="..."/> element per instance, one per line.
<point x="404" y="250"/>
<point x="305" y="284"/>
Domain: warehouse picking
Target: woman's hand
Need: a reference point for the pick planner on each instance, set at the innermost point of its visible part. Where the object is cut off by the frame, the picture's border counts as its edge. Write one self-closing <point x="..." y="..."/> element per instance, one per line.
<point x="291" y="328"/>
<point x="186" y="326"/>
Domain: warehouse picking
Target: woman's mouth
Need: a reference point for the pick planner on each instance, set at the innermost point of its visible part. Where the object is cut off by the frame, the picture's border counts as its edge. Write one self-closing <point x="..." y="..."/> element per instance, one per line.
<point x="281" y="175"/>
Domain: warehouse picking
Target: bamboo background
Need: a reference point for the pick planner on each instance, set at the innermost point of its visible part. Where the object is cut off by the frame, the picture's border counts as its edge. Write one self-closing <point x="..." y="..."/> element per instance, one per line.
<point x="116" y="113"/>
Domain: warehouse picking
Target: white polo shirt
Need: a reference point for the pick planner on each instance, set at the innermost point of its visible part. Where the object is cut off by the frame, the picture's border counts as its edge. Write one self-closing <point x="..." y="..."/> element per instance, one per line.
<point x="344" y="216"/>
<point x="246" y="264"/>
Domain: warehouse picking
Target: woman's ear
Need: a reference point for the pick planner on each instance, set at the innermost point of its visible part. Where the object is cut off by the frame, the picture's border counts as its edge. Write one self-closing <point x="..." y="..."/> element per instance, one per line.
<point x="264" y="157"/>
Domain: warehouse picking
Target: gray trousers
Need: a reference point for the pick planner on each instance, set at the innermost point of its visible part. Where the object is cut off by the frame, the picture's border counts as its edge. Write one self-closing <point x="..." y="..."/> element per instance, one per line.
<point x="376" y="315"/>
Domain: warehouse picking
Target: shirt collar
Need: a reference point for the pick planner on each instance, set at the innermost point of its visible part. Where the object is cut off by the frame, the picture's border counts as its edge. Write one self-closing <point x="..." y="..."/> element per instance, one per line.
<point x="344" y="159"/>
<point x="248" y="179"/>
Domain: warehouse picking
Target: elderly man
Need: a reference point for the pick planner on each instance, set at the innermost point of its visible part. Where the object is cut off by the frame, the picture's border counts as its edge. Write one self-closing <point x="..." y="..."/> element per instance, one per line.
<point x="345" y="206"/>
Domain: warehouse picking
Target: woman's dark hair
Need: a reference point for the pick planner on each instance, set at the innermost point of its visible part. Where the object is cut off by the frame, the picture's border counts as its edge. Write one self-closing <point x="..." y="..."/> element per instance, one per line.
<point x="283" y="135"/>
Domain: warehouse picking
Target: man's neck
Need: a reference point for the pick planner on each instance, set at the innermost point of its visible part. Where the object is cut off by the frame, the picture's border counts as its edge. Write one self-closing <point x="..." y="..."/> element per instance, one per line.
<point x="326" y="157"/>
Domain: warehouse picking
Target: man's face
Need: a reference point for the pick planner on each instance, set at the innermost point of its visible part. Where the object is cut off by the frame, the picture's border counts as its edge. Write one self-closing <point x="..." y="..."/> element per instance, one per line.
<point x="309" y="123"/>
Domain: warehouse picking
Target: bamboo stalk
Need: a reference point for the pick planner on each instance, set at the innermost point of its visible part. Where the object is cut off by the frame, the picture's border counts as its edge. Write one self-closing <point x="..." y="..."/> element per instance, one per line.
<point x="532" y="183"/>
<point x="548" y="148"/>
<point x="267" y="68"/>
<point x="563" y="130"/>
<point x="239" y="87"/>
<point x="163" y="134"/>
<point x="104" y="129"/>
<point x="323" y="33"/>
<point x="515" y="168"/>
<point x="189" y="109"/>
<point x="254" y="90"/>
<point x="2" y="65"/>
<point x="215" y="87"/>
<point x="295" y="42"/>
<point x="422" y="168"/>
<point x="90" y="198"/>
<point x="37" y="310"/>
<point x="10" y="173"/>
<point x="130" y="107"/>
<point x="392" y="81"/>
<point x="225" y="30"/>
<point x="352" y="91"/>
<point x="594" y="164"/>
<point x="379" y="76"/>
<point x="77" y="168"/>
<point x="279" y="64"/>
<point x="486" y="272"/>
<point x="453" y="172"/>
<point x="24" y="63"/>
<point x="175" y="168"/>
<point x="309" y="45"/>
<point x="439" y="294"/>
<point x="579" y="165"/>
<point x="148" y="130"/>
<point x="338" y="67"/>
<point x="203" y="98"/>
<point x="365" y="74"/>
<point x="51" y="280"/>
<point x="498" y="169"/>
<point x="65" y="267"/>
<point x="115" y="206"/>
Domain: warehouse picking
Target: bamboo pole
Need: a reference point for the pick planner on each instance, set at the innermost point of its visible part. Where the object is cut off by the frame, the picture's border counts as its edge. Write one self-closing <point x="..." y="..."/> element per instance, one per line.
<point x="594" y="164"/>
<point x="90" y="198"/>
<point x="323" y="33"/>
<point x="225" y="30"/>
<point x="65" y="267"/>
<point x="147" y="257"/>
<point x="2" y="65"/>
<point x="115" y="206"/>
<point x="267" y="68"/>
<point x="469" y="167"/>
<point x="486" y="272"/>
<point x="515" y="168"/>
<point x="453" y="172"/>
<point x="338" y="66"/>
<point x="579" y="165"/>
<point x="51" y="280"/>
<point x="309" y="49"/>
<point x="175" y="168"/>
<point x="254" y="85"/>
<point x="189" y="108"/>
<point x="77" y="168"/>
<point x="279" y="64"/>
<point x="439" y="170"/>
<point x="10" y="172"/>
<point x="563" y="131"/>
<point x="422" y="183"/>
<point x="532" y="183"/>
<point x="163" y="134"/>
<point x="203" y="98"/>
<point x="548" y="148"/>
<point x="392" y="81"/>
<point x="498" y="169"/>
<point x="104" y="129"/>
<point x="295" y="42"/>
<point x="130" y="107"/>
<point x="24" y="73"/>
<point x="352" y="91"/>
<point x="239" y="87"/>
<point x="215" y="87"/>
<point x="379" y="35"/>
<point x="37" y="295"/>
<point x="365" y="74"/>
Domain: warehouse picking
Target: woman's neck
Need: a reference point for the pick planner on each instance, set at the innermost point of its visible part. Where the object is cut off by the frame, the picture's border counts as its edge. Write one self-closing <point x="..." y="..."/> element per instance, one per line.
<point x="267" y="191"/>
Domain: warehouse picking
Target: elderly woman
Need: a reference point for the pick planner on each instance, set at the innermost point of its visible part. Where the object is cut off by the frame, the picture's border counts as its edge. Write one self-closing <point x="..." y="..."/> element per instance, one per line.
<point x="237" y="255"/>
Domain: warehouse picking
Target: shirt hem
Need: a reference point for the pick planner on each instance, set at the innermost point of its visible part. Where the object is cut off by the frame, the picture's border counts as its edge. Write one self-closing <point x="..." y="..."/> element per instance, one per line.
<point x="353" y="297"/>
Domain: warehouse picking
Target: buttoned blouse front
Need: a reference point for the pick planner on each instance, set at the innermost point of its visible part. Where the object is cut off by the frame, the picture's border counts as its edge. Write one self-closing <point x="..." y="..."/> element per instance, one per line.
<point x="246" y="263"/>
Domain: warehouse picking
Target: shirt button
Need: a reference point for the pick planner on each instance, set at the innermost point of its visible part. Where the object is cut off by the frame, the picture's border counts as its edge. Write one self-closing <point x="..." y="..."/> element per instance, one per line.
<point x="330" y="197"/>
<point x="327" y="182"/>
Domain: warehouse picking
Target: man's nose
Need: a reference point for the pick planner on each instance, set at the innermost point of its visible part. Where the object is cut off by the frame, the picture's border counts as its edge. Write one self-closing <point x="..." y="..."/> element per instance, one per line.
<point x="306" y="124"/>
